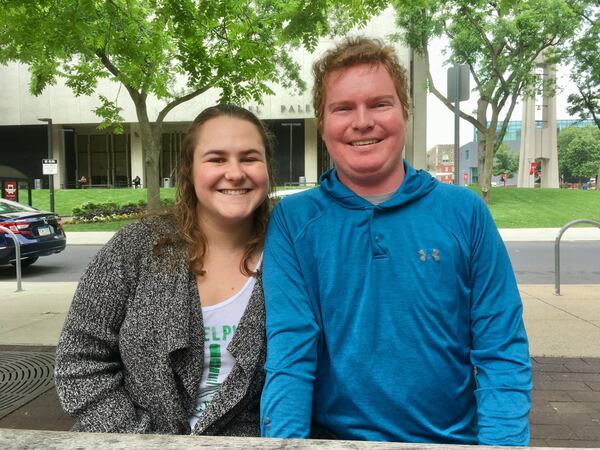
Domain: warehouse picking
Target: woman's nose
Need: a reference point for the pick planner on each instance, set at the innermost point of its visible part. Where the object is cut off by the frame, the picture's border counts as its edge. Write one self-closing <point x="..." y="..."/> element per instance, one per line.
<point x="234" y="172"/>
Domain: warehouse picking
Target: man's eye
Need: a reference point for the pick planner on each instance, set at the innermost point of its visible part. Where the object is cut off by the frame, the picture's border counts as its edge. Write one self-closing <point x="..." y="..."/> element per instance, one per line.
<point x="382" y="105"/>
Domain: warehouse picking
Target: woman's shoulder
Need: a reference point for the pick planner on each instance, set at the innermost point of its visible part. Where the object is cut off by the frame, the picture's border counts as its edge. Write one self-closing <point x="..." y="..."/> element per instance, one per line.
<point x="145" y="234"/>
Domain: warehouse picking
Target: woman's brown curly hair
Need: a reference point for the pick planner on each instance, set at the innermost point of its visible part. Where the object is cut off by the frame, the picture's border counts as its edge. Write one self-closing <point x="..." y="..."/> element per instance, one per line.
<point x="185" y="210"/>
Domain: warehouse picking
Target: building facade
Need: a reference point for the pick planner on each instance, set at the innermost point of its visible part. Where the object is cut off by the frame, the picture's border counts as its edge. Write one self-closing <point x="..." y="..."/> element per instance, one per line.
<point x="512" y="138"/>
<point x="108" y="159"/>
<point x="440" y="162"/>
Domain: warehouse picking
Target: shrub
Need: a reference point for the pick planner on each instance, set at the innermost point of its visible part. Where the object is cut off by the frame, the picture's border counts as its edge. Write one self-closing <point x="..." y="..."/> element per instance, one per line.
<point x="110" y="211"/>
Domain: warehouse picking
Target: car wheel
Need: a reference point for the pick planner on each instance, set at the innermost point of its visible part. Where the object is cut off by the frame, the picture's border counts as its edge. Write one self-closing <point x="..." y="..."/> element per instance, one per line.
<point x="26" y="262"/>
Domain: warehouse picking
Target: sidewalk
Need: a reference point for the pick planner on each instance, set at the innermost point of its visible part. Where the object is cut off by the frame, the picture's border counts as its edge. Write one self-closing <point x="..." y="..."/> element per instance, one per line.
<point x="566" y="325"/>
<point x="577" y="233"/>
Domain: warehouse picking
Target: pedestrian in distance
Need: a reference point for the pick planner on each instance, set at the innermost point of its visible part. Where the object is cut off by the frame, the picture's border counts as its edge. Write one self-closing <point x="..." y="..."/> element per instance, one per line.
<point x="137" y="182"/>
<point x="83" y="182"/>
<point x="392" y="309"/>
<point x="165" y="333"/>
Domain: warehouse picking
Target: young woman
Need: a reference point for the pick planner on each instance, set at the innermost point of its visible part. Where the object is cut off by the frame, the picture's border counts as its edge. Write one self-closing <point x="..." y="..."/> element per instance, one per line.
<point x="166" y="330"/>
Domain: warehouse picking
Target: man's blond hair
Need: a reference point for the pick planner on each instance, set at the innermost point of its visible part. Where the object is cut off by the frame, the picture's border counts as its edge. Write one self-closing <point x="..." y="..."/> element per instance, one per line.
<point x="351" y="52"/>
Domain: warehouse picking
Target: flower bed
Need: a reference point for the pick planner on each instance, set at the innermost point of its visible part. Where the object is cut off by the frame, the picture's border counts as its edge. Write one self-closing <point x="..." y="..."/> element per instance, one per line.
<point x="110" y="211"/>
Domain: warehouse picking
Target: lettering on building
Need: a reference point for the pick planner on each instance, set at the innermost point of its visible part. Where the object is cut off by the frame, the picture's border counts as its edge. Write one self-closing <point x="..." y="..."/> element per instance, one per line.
<point x="295" y="109"/>
<point x="256" y="109"/>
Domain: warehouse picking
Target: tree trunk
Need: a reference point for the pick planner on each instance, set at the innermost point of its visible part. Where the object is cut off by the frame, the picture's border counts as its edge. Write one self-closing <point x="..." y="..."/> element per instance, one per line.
<point x="598" y="179"/>
<point x="485" y="180"/>
<point x="151" y="145"/>
<point x="151" y="162"/>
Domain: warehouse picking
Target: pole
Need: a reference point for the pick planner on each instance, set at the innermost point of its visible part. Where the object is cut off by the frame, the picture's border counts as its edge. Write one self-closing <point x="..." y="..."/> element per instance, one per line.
<point x="291" y="125"/>
<point x="50" y="177"/>
<point x="17" y="256"/>
<point x="291" y="148"/>
<point x="50" y="156"/>
<point x="457" y="128"/>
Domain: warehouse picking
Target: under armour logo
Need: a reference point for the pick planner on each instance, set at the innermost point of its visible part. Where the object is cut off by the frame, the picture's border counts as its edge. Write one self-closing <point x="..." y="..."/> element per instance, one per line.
<point x="435" y="255"/>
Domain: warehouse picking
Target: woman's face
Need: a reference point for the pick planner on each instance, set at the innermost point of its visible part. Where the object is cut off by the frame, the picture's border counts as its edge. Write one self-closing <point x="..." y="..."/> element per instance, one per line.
<point x="229" y="170"/>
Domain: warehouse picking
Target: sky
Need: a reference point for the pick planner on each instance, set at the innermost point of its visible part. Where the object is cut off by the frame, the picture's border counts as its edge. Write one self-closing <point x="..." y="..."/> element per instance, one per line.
<point x="440" y="120"/>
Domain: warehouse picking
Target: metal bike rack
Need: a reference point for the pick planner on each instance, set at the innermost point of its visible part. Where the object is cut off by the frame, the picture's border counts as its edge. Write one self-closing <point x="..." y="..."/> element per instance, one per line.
<point x="17" y="255"/>
<point x="557" y="250"/>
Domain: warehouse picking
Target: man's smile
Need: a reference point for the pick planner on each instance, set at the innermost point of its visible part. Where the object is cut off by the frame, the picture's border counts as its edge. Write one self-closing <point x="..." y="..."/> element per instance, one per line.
<point x="365" y="142"/>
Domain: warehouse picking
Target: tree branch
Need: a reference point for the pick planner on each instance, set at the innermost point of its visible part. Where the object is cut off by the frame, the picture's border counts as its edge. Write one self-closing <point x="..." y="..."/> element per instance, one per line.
<point x="108" y="63"/>
<point x="444" y="100"/>
<point x="493" y="52"/>
<point x="588" y="104"/>
<point x="135" y="95"/>
<point x="505" y="123"/>
<point x="179" y="100"/>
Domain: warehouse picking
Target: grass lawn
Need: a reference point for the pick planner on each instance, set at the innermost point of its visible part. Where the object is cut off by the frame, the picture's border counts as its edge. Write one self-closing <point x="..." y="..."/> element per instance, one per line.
<point x="542" y="208"/>
<point x="67" y="199"/>
<point x="510" y="207"/>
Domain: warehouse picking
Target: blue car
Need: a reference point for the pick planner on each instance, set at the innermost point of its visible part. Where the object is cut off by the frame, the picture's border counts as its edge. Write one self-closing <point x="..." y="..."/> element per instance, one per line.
<point x="39" y="233"/>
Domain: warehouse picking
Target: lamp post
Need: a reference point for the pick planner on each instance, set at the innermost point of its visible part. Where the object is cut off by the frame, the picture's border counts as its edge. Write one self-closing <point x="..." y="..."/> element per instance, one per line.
<point x="50" y="177"/>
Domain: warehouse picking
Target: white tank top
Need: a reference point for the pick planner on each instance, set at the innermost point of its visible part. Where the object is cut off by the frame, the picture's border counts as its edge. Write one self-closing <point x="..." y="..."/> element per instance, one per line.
<point x="220" y="324"/>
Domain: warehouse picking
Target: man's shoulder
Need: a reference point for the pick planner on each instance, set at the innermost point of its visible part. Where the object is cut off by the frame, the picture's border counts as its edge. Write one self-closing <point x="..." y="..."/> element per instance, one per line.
<point x="300" y="209"/>
<point x="456" y="194"/>
<point x="300" y="202"/>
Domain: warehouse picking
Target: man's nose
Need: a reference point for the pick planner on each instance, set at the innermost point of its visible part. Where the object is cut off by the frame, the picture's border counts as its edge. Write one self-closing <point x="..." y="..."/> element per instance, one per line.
<point x="363" y="119"/>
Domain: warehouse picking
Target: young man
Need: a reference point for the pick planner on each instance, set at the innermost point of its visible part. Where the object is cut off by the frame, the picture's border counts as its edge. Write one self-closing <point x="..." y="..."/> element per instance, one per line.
<point x="392" y="309"/>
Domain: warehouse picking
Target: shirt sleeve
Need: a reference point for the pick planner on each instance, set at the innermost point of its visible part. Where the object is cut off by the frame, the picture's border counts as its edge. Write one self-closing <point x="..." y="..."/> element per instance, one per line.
<point x="89" y="370"/>
<point x="292" y="338"/>
<point x="500" y="351"/>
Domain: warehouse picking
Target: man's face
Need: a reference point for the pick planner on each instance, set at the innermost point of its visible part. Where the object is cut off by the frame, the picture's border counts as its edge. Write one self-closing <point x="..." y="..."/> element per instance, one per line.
<point x="364" y="128"/>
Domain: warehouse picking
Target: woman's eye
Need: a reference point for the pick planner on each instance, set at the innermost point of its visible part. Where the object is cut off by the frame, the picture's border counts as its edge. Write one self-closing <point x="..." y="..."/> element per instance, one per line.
<point x="216" y="160"/>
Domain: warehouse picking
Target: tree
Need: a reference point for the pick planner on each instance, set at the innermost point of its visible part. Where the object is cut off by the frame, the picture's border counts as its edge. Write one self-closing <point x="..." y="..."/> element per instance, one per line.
<point x="500" y="41"/>
<point x="174" y="50"/>
<point x="579" y="153"/>
<point x="585" y="59"/>
<point x="506" y="161"/>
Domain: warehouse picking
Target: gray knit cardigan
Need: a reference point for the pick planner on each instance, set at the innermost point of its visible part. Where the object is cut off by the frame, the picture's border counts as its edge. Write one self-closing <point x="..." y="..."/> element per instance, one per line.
<point x="131" y="353"/>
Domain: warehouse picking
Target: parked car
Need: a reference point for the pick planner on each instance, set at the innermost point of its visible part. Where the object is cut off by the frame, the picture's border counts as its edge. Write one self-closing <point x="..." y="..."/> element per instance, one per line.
<point x="39" y="232"/>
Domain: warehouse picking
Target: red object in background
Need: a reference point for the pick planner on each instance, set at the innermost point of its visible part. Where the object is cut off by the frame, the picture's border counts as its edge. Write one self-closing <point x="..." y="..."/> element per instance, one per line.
<point x="532" y="168"/>
<point x="539" y="174"/>
<point x="503" y="177"/>
<point x="9" y="190"/>
<point x="466" y="177"/>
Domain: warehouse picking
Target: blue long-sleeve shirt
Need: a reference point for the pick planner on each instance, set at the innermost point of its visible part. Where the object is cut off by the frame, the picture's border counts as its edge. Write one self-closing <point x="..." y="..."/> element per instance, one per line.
<point x="396" y="322"/>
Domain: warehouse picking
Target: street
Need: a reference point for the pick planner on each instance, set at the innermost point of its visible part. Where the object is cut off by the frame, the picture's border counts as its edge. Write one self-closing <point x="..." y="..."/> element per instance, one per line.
<point x="533" y="263"/>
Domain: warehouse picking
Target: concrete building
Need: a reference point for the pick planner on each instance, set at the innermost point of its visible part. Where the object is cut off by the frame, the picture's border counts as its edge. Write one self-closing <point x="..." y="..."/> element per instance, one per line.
<point x="440" y="162"/>
<point x="538" y="156"/>
<point x="108" y="159"/>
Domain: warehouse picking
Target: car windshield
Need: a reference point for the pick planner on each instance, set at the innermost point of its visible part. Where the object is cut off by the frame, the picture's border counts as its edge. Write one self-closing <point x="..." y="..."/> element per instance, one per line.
<point x="6" y="206"/>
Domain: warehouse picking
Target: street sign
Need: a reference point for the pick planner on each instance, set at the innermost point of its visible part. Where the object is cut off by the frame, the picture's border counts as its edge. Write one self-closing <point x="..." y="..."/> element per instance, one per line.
<point x="49" y="166"/>
<point x="9" y="190"/>
<point x="461" y="84"/>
